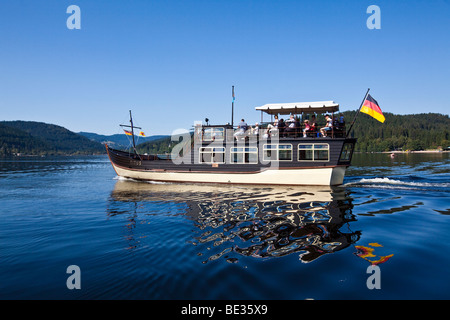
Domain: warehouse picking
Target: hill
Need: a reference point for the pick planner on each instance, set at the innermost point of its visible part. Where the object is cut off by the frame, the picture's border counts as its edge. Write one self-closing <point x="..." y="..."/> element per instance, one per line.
<point x="13" y="141"/>
<point x="118" y="140"/>
<point x="159" y="146"/>
<point x="38" y="138"/>
<point x="400" y="132"/>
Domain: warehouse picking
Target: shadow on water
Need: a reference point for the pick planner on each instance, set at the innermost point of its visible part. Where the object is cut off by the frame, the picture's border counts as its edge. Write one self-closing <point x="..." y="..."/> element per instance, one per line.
<point x="235" y="221"/>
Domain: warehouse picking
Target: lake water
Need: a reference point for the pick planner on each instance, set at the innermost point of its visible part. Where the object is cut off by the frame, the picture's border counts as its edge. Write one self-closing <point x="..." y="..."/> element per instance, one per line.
<point x="135" y="240"/>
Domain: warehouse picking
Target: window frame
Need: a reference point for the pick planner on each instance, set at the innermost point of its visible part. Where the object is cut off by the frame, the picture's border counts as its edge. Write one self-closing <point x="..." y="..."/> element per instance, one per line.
<point x="221" y="131"/>
<point x="243" y="151"/>
<point x="202" y="151"/>
<point x="277" y="149"/>
<point x="348" y="152"/>
<point x="313" y="150"/>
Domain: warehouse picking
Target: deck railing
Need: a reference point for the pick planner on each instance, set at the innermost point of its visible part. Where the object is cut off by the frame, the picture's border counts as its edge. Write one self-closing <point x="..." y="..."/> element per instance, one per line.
<point x="266" y="129"/>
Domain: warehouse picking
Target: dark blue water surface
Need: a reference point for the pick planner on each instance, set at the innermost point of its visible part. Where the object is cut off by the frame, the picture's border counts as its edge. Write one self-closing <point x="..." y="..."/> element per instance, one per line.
<point x="135" y="240"/>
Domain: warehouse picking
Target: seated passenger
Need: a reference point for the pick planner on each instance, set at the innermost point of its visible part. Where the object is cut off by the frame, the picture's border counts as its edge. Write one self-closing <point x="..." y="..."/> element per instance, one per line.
<point x="275" y="122"/>
<point x="281" y="126"/>
<point x="328" y="126"/>
<point x="290" y="123"/>
<point x="307" y="128"/>
<point x="298" y="124"/>
<point x="312" y="127"/>
<point x="255" y="130"/>
<point x="313" y="124"/>
<point x="242" y="127"/>
<point x="272" y="131"/>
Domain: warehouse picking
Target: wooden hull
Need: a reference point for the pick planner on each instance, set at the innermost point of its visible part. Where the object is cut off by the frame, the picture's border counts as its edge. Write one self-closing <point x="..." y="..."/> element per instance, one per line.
<point x="314" y="176"/>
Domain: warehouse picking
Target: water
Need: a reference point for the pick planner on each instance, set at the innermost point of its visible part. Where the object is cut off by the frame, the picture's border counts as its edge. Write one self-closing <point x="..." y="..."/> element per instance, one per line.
<point x="134" y="240"/>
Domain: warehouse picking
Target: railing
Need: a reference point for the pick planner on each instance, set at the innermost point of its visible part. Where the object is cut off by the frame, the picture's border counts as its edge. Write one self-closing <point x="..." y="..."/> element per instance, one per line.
<point x="298" y="131"/>
<point x="267" y="130"/>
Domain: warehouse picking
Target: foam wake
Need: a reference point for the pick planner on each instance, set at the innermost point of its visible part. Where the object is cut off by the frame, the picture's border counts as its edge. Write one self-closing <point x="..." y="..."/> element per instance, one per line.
<point x="390" y="183"/>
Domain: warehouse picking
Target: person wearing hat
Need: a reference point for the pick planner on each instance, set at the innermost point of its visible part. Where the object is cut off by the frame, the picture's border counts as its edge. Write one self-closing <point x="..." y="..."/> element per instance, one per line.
<point x="327" y="127"/>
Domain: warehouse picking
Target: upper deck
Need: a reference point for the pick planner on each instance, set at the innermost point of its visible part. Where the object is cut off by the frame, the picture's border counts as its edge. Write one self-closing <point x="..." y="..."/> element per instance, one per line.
<point x="304" y="120"/>
<point x="302" y="140"/>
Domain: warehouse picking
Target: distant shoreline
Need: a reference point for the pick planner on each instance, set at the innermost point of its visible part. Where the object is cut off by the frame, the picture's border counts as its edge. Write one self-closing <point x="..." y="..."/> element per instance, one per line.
<point x="406" y="152"/>
<point x="19" y="155"/>
<point x="417" y="151"/>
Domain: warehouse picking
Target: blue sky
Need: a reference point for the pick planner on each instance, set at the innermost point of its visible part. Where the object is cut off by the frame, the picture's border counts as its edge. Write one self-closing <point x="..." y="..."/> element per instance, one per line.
<point x="174" y="62"/>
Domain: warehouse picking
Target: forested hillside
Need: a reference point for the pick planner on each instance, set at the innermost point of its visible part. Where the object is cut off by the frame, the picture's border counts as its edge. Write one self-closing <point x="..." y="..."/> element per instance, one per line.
<point x="159" y="146"/>
<point x="400" y="132"/>
<point x="37" y="138"/>
<point x="13" y="141"/>
<point x="118" y="141"/>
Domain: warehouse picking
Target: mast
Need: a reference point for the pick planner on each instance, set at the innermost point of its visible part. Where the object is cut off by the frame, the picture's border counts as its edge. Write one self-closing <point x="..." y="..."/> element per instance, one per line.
<point x="132" y="132"/>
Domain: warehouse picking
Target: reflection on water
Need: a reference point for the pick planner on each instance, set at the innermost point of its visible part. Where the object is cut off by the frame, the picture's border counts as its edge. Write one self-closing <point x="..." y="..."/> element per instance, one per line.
<point x="233" y="221"/>
<point x="368" y="253"/>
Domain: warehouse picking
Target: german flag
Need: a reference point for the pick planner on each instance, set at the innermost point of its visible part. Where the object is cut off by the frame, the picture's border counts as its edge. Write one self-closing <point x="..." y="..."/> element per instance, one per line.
<point x="371" y="107"/>
<point x="128" y="133"/>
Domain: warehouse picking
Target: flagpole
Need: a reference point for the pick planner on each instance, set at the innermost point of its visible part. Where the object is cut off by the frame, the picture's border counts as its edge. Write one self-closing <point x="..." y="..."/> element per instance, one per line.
<point x="356" y="115"/>
<point x="232" y="105"/>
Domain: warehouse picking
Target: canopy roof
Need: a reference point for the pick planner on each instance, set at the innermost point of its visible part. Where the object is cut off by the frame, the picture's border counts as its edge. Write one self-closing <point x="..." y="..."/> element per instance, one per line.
<point x="299" y="107"/>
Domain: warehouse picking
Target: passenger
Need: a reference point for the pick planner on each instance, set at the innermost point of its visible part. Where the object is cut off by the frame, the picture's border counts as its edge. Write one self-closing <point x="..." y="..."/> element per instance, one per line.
<point x="281" y="126"/>
<point x="290" y="123"/>
<point x="275" y="122"/>
<point x="273" y="128"/>
<point x="268" y="132"/>
<point x="328" y="126"/>
<point x="298" y="124"/>
<point x="290" y="120"/>
<point x="242" y="127"/>
<point x="307" y="128"/>
<point x="313" y="124"/>
<point x="341" y="122"/>
<point x="255" y="130"/>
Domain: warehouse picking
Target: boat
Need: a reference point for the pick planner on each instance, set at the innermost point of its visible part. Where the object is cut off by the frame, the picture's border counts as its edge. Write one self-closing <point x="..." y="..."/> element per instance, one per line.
<point x="229" y="154"/>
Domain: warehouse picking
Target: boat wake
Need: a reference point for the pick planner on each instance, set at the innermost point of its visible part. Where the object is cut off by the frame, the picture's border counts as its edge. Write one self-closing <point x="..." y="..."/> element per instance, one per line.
<point x="409" y="183"/>
<point x="139" y="181"/>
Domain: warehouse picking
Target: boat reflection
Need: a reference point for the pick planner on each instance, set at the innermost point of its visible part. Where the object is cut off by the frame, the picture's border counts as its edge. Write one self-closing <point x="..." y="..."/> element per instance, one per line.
<point x="260" y="222"/>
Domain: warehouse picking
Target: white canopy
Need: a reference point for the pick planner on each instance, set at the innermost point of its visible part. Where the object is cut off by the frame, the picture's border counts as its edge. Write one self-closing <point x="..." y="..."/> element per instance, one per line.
<point x="299" y="107"/>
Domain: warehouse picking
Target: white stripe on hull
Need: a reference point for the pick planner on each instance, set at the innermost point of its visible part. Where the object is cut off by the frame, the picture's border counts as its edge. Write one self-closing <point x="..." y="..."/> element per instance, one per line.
<point x="317" y="176"/>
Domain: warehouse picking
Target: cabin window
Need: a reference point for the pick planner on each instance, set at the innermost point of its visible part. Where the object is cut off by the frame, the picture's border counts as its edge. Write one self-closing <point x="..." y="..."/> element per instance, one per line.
<point x="346" y="153"/>
<point x="213" y="134"/>
<point x="212" y="155"/>
<point x="277" y="152"/>
<point x="305" y="152"/>
<point x="314" y="152"/>
<point x="244" y="155"/>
